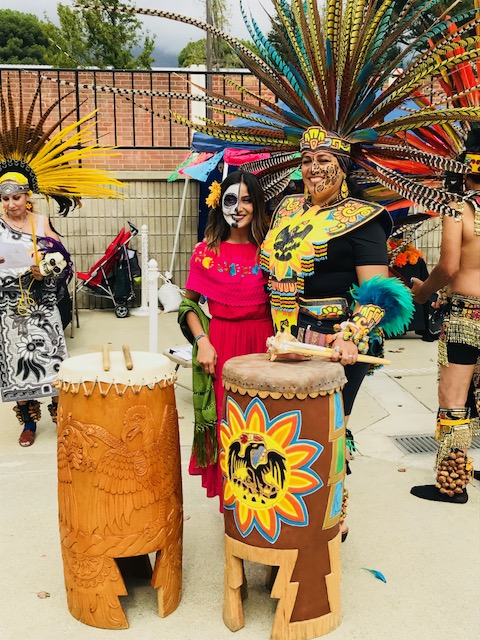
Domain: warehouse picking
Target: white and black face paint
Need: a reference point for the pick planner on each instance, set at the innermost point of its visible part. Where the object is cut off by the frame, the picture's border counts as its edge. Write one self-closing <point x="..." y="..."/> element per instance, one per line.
<point x="230" y="202"/>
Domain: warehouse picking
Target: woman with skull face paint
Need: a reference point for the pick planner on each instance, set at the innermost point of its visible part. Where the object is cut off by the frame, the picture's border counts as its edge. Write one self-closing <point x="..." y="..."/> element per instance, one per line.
<point x="225" y="269"/>
<point x="326" y="254"/>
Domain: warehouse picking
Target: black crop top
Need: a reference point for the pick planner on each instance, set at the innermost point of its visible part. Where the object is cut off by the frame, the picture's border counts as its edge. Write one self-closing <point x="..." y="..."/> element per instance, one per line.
<point x="333" y="277"/>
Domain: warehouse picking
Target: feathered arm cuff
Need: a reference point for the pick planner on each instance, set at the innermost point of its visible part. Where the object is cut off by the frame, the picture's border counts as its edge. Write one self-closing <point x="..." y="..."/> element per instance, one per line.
<point x="384" y="302"/>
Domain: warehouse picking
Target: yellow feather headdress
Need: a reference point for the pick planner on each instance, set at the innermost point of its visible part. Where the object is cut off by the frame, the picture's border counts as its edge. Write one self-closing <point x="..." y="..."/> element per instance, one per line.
<point x="51" y="158"/>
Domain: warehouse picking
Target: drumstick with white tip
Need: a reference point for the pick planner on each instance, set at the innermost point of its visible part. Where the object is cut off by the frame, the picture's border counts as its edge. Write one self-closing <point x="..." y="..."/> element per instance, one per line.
<point x="128" y="357"/>
<point x="105" y="357"/>
<point x="284" y="343"/>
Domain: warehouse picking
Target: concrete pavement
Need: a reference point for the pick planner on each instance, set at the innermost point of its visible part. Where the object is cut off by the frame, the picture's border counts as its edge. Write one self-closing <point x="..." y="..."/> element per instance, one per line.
<point x="429" y="552"/>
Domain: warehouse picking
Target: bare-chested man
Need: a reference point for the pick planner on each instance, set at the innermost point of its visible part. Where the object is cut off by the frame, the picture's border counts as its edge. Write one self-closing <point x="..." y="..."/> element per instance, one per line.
<point x="458" y="271"/>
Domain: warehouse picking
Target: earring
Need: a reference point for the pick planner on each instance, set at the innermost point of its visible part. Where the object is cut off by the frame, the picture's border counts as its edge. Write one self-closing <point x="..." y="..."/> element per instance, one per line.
<point x="344" y="189"/>
<point x="305" y="193"/>
<point x="29" y="206"/>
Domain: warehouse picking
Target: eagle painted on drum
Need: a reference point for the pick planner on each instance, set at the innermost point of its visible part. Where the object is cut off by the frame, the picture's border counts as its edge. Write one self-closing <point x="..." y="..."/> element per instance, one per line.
<point x="256" y="470"/>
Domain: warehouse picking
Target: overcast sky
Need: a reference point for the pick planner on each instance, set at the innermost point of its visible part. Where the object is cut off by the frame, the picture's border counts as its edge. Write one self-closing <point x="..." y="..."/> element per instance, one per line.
<point x="171" y="36"/>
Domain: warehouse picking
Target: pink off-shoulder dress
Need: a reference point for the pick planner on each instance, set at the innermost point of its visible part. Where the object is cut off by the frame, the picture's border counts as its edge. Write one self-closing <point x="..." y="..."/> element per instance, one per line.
<point x="234" y="286"/>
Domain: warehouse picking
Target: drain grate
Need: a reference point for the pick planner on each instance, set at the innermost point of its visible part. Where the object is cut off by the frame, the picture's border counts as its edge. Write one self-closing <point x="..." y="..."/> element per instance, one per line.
<point x="423" y="443"/>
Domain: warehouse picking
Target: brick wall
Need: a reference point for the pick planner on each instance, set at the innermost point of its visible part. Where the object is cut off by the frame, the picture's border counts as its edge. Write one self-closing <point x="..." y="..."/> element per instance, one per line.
<point x="138" y="125"/>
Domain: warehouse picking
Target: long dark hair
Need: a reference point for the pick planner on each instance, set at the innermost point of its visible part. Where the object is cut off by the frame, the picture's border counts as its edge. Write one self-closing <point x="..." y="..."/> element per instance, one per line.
<point x="218" y="230"/>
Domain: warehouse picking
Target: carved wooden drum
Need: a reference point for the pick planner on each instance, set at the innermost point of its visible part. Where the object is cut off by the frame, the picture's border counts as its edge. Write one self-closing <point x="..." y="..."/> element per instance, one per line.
<point x="283" y="462"/>
<point x="119" y="482"/>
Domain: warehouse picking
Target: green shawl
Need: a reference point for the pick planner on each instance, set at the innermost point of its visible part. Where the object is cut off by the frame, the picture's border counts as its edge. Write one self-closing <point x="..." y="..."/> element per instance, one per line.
<point x="204" y="405"/>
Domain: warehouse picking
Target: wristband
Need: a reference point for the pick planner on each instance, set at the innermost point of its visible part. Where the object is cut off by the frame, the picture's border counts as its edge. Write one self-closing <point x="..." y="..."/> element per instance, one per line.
<point x="200" y="335"/>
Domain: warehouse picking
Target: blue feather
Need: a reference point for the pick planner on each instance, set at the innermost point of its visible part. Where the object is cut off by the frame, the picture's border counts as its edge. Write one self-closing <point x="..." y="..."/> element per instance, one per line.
<point x="441" y="29"/>
<point x="364" y="74"/>
<point x="363" y="135"/>
<point x="270" y="55"/>
<point x="377" y="574"/>
<point x="391" y="295"/>
<point x="366" y="102"/>
<point x="382" y="31"/>
<point x="328" y="54"/>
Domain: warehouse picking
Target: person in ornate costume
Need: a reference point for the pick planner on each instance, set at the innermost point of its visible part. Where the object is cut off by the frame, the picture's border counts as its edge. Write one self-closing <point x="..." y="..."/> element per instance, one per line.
<point x="457" y="278"/>
<point x="326" y="255"/>
<point x="225" y="269"/>
<point x="33" y="261"/>
<point x="457" y="274"/>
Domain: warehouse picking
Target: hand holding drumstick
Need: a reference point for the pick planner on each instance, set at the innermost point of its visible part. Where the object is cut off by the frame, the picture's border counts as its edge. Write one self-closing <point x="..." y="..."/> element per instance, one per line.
<point x="284" y="344"/>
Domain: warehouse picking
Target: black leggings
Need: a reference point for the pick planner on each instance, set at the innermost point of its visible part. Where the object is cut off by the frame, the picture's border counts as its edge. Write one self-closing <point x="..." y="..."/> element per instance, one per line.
<point x="458" y="353"/>
<point x="355" y="374"/>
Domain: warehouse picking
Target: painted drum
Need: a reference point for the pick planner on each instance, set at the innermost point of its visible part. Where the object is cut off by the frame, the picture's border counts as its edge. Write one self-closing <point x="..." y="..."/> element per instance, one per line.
<point x="283" y="462"/>
<point x="119" y="483"/>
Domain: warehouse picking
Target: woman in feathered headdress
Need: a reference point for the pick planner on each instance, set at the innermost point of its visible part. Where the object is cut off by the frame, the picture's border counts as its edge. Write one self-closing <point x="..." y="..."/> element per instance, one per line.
<point x="33" y="262"/>
<point x="326" y="253"/>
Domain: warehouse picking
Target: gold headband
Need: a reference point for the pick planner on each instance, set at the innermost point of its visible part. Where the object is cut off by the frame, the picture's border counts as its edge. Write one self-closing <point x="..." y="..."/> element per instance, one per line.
<point x="9" y="187"/>
<point x="13" y="182"/>
<point x="316" y="138"/>
<point x="473" y="160"/>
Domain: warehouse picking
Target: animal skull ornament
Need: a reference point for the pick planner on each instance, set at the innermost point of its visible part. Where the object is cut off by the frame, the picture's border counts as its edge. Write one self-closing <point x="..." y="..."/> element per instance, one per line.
<point x="52" y="264"/>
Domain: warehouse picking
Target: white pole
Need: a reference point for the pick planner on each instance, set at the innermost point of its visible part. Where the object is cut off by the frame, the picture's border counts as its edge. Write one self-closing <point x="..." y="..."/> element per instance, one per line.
<point x="152" y="277"/>
<point x="169" y="273"/>
<point x="143" y="309"/>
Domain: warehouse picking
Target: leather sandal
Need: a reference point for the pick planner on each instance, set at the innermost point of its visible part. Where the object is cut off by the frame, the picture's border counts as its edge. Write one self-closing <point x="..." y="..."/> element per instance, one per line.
<point x="27" y="438"/>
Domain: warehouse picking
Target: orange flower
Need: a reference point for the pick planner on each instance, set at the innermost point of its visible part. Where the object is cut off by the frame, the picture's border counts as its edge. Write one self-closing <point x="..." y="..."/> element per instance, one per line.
<point x="401" y="260"/>
<point x="409" y="255"/>
<point x="214" y="198"/>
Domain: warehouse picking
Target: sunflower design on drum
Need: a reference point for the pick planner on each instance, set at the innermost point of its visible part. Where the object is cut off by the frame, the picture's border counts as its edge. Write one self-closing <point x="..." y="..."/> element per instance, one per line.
<point x="266" y="468"/>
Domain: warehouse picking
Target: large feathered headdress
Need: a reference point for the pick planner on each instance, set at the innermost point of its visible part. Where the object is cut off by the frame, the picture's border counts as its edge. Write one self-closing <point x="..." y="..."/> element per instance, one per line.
<point x="334" y="71"/>
<point x="50" y="160"/>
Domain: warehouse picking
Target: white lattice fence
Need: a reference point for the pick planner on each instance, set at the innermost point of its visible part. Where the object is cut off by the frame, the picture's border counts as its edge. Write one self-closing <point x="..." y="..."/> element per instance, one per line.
<point x="149" y="199"/>
<point x="429" y="243"/>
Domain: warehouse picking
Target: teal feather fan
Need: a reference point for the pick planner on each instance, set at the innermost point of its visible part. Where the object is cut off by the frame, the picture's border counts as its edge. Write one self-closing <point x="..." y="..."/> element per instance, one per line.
<point x="391" y="295"/>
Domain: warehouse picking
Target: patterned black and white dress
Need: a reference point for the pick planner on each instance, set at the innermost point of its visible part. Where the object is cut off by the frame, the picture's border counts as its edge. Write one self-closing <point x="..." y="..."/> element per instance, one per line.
<point x="32" y="344"/>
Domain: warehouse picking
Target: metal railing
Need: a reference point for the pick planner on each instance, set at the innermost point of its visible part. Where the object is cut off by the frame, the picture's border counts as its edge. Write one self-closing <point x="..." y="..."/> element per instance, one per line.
<point x="130" y="116"/>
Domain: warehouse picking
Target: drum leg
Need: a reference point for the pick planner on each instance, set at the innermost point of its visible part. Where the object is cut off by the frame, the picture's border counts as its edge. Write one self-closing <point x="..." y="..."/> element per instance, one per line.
<point x="232" y="597"/>
<point x="272" y="573"/>
<point x="167" y="573"/>
<point x="283" y="563"/>
<point x="93" y="584"/>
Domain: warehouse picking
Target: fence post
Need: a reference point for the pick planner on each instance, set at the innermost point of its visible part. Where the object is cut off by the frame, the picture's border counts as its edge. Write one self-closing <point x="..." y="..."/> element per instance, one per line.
<point x="143" y="309"/>
<point x="152" y="277"/>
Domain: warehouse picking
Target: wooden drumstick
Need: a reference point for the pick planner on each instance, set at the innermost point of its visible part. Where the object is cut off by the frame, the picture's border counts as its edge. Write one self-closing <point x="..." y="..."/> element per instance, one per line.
<point x="128" y="356"/>
<point x="105" y="357"/>
<point x="284" y="343"/>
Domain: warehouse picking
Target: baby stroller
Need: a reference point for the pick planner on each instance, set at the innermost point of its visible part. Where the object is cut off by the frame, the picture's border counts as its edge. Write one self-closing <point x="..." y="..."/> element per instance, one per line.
<point x="112" y="276"/>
